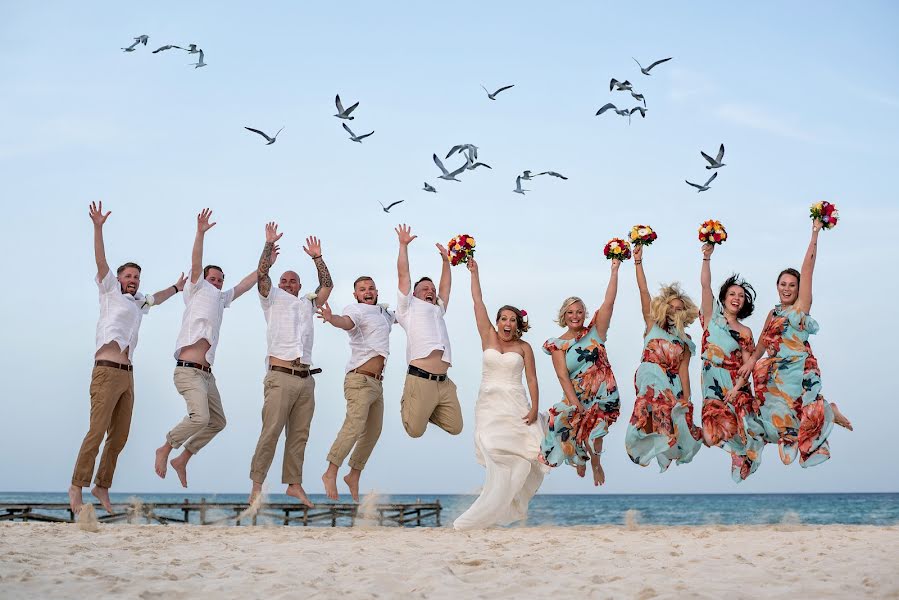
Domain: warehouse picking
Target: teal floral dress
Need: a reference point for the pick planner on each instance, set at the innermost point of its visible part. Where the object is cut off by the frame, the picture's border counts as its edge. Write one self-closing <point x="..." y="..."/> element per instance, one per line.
<point x="661" y="426"/>
<point x="734" y="426"/>
<point x="788" y="387"/>
<point x="571" y="433"/>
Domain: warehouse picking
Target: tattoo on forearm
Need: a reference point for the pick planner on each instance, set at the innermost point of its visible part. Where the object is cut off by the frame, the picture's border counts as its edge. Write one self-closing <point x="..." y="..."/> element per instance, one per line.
<point x="324" y="276"/>
<point x="265" y="263"/>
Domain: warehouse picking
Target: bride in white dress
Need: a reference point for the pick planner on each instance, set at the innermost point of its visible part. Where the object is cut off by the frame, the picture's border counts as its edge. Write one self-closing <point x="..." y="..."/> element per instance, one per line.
<point x="508" y="429"/>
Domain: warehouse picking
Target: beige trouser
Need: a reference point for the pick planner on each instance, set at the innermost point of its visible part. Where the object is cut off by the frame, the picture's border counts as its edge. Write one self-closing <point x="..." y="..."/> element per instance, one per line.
<point x="205" y="415"/>
<point x="362" y="424"/>
<point x="112" y="400"/>
<point x="430" y="401"/>
<point x="289" y="402"/>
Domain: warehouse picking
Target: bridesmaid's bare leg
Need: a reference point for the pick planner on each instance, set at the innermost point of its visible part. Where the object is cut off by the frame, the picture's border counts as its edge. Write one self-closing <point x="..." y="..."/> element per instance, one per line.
<point x="839" y="418"/>
<point x="599" y="476"/>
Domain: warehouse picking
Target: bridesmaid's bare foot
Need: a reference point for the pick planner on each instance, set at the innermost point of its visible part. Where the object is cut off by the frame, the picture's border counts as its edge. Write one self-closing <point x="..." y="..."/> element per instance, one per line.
<point x="839" y="418"/>
<point x="599" y="476"/>
<point x="581" y="470"/>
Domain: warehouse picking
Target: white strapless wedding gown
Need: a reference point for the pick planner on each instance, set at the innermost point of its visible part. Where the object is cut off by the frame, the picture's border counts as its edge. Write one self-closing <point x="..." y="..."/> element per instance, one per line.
<point x="507" y="447"/>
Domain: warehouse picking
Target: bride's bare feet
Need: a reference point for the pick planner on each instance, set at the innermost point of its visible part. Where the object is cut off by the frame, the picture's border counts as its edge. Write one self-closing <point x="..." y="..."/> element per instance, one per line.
<point x="75" y="499"/>
<point x="352" y="481"/>
<point x="102" y="494"/>
<point x="839" y="418"/>
<point x="296" y="490"/>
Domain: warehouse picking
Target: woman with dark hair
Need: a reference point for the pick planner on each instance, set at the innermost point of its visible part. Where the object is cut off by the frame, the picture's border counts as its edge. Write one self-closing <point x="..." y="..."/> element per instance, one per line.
<point x="729" y="411"/>
<point x="590" y="404"/>
<point x="787" y="382"/>
<point x="507" y="430"/>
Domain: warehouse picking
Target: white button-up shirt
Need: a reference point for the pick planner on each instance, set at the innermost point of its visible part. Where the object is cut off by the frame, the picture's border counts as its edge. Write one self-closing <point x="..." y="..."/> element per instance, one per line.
<point x="370" y="335"/>
<point x="425" y="327"/>
<point x="120" y="314"/>
<point x="204" y="307"/>
<point x="289" y="322"/>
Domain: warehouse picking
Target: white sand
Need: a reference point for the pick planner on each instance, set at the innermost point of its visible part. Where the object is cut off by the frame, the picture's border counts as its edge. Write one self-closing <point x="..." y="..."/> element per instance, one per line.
<point x="40" y="560"/>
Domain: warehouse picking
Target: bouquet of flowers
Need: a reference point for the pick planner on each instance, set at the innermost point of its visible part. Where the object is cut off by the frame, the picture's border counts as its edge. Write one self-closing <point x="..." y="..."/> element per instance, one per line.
<point x="617" y="249"/>
<point x="642" y="235"/>
<point x="826" y="212"/>
<point x="460" y="248"/>
<point x="712" y="232"/>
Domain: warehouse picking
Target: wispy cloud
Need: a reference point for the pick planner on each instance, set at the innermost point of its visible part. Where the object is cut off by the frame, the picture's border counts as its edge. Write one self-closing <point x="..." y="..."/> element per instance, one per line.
<point x="687" y="84"/>
<point x="756" y="118"/>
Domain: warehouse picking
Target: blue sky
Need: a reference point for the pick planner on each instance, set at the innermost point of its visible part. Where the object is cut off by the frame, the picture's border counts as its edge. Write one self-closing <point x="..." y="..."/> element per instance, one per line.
<point x="804" y="95"/>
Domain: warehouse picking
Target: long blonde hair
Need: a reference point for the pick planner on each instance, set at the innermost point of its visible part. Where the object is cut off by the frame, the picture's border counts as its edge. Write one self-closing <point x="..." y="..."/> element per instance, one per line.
<point x="658" y="308"/>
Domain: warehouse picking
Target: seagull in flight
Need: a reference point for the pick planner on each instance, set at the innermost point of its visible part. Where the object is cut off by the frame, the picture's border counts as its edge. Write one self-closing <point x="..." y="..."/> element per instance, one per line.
<point x="471" y="165"/>
<point x="714" y="163"/>
<point x="167" y="47"/>
<point x="470" y="148"/>
<point x="635" y="109"/>
<point x="353" y="136"/>
<point x="638" y="97"/>
<point x="526" y="175"/>
<point x="647" y="70"/>
<point x="271" y="140"/>
<point x="429" y="188"/>
<point x="623" y="112"/>
<point x="705" y="186"/>
<point x="192" y="49"/>
<point x="552" y="173"/>
<point x="389" y="206"/>
<point x="493" y="95"/>
<point x="199" y="64"/>
<point x="344" y="113"/>
<point x="449" y="176"/>
<point x="620" y="85"/>
<point x="518" y="189"/>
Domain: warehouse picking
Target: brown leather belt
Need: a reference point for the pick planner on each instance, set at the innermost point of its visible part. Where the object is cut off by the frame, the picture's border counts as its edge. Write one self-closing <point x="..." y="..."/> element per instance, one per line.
<point x="114" y="365"/>
<point x="425" y="374"/>
<point x="193" y="365"/>
<point x="295" y="372"/>
<point x="379" y="377"/>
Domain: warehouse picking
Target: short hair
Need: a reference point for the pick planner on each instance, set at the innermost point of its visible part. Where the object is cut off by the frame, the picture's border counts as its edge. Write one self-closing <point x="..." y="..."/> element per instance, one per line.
<point x="520" y="324"/>
<point x="789" y="271"/>
<point x="420" y="281"/>
<point x="560" y="319"/>
<point x="208" y="267"/>
<point x="362" y="278"/>
<point x="127" y="265"/>
<point x="658" y="308"/>
<point x="749" y="303"/>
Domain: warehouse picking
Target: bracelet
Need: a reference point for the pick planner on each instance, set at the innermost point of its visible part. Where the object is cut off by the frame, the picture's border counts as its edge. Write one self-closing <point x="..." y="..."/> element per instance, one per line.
<point x="704" y="259"/>
<point x="316" y="257"/>
<point x="638" y="262"/>
<point x="176" y="289"/>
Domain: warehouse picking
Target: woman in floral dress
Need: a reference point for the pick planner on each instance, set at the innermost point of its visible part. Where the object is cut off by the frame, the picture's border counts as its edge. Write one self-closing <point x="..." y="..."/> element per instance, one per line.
<point x="661" y="426"/>
<point x="729" y="410"/>
<point x="787" y="382"/>
<point x="578" y="423"/>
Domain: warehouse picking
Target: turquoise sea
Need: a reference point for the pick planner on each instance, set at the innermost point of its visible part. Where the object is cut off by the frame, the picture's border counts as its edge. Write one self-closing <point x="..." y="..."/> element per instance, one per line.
<point x="597" y="509"/>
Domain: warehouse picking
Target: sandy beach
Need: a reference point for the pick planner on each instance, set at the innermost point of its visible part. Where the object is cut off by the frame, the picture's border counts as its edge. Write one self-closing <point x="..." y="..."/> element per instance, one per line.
<point x="141" y="561"/>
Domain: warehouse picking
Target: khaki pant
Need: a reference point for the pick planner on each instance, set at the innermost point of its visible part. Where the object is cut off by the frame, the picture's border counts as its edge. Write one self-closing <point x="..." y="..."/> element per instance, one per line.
<point x="362" y="424"/>
<point x="112" y="400"/>
<point x="426" y="401"/>
<point x="205" y="415"/>
<point x="289" y="402"/>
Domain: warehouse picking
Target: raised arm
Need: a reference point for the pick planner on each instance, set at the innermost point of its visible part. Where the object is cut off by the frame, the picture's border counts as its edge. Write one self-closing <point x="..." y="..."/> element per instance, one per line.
<point x="263" y="279"/>
<point x="245" y="284"/>
<point x="313" y="248"/>
<point x="403" y="281"/>
<point x="446" y="277"/>
<point x="481" y="318"/>
<point x="339" y="321"/>
<point x="163" y="295"/>
<point x="196" y="257"/>
<point x="804" y="301"/>
<point x="645" y="299"/>
<point x="98" y="218"/>
<point x="530" y="375"/>
<point x="705" y="278"/>
<point x="561" y="368"/>
<point x="604" y="314"/>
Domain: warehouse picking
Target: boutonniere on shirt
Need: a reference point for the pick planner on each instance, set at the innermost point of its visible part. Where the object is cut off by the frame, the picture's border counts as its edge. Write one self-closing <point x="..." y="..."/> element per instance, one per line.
<point x="383" y="305"/>
<point x="311" y="296"/>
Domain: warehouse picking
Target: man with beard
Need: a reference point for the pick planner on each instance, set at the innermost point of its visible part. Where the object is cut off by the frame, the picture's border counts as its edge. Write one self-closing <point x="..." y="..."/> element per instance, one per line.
<point x="429" y="395"/>
<point x="112" y="381"/>
<point x="288" y="385"/>
<point x="368" y="325"/>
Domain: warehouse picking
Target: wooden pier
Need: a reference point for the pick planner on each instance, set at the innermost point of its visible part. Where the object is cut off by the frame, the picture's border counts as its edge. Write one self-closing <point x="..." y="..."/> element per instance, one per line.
<point x="229" y="513"/>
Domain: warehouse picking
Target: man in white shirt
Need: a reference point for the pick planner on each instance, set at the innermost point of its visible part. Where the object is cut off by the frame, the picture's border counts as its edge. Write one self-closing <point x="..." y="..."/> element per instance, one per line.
<point x="368" y="325"/>
<point x="428" y="395"/>
<point x="205" y="303"/>
<point x="112" y="383"/>
<point x="288" y="385"/>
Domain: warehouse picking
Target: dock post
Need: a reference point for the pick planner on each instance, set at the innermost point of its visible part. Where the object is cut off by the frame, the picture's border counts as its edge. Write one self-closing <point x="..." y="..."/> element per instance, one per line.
<point x="202" y="511"/>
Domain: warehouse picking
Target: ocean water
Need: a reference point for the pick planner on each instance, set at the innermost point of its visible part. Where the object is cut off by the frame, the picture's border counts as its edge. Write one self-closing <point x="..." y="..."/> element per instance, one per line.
<point x="614" y="509"/>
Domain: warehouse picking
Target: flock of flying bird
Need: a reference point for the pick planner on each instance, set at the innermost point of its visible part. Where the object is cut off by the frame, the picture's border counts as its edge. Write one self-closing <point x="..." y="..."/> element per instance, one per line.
<point x="469" y="151"/>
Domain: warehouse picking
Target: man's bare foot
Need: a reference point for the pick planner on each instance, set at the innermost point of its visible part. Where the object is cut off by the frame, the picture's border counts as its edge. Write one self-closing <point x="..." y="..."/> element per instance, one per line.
<point x="839" y="418"/>
<point x="162" y="457"/>
<point x="179" y="463"/>
<point x="581" y="470"/>
<point x="329" y="478"/>
<point x="352" y="481"/>
<point x="296" y="490"/>
<point x="254" y="493"/>
<point x="102" y="494"/>
<point x="75" y="499"/>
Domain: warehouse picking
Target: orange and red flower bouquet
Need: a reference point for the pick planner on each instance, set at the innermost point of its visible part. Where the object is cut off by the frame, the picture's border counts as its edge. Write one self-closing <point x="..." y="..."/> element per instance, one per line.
<point x="460" y="248"/>
<point x="826" y="212"/>
<point x="712" y="232"/>
<point x="617" y="249"/>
